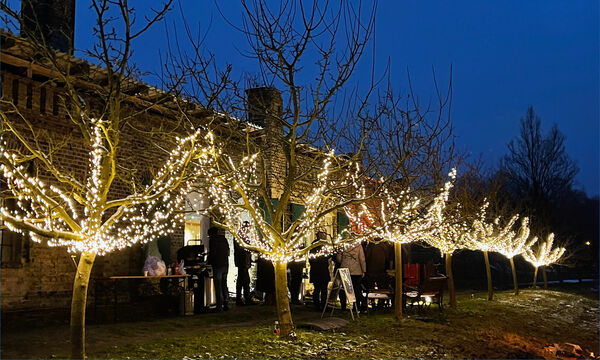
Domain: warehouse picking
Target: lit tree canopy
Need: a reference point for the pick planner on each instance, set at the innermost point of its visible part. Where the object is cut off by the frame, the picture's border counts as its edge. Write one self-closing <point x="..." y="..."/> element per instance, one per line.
<point x="544" y="255"/>
<point x="398" y="217"/>
<point x="517" y="242"/>
<point x="454" y="232"/>
<point x="82" y="217"/>
<point x="235" y="189"/>
<point x="492" y="236"/>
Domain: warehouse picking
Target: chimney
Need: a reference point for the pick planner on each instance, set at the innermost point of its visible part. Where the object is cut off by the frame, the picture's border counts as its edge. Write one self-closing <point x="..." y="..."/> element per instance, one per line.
<point x="50" y="20"/>
<point x="265" y="107"/>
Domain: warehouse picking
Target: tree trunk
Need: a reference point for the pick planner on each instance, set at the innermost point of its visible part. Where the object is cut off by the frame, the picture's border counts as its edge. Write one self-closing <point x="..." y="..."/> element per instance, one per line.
<point x="514" y="274"/>
<point x="545" y="276"/>
<point x="284" y="316"/>
<point x="488" y="272"/>
<point x="535" y="277"/>
<point x="398" y="292"/>
<point x="78" y="304"/>
<point x="451" y="290"/>
<point x="559" y="273"/>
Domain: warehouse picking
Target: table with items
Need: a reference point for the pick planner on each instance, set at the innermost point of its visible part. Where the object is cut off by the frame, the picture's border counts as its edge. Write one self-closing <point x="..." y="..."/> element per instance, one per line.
<point x="129" y="288"/>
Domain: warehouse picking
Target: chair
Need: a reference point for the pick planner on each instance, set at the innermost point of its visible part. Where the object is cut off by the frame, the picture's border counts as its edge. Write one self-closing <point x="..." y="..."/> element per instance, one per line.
<point x="431" y="291"/>
<point x="412" y="274"/>
<point x="379" y="288"/>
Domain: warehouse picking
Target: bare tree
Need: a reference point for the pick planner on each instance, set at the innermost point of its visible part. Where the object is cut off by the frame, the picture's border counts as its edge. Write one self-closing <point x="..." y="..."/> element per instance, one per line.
<point x="81" y="207"/>
<point x="308" y="51"/>
<point x="538" y="169"/>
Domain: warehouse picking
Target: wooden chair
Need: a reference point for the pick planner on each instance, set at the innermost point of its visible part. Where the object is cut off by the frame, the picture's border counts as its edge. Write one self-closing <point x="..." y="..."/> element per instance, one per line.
<point x="412" y="274"/>
<point x="431" y="291"/>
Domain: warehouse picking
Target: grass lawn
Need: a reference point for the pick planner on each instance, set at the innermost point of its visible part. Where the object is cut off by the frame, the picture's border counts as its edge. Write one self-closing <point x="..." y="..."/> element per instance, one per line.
<point x="508" y="327"/>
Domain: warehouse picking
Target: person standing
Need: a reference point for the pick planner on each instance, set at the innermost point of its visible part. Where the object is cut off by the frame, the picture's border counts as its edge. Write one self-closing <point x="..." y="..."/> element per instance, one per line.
<point x="378" y="256"/>
<point x="265" y="280"/>
<point x="243" y="261"/>
<point x="218" y="258"/>
<point x="319" y="276"/>
<point x="353" y="258"/>
<point x="295" y="280"/>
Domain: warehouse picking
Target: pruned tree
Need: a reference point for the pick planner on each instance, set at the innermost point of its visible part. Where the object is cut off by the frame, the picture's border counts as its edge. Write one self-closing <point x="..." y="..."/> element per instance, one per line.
<point x="401" y="219"/>
<point x="454" y="233"/>
<point x="308" y="51"/>
<point x="493" y="236"/>
<point x="514" y="244"/>
<point x="544" y="256"/>
<point x="78" y="207"/>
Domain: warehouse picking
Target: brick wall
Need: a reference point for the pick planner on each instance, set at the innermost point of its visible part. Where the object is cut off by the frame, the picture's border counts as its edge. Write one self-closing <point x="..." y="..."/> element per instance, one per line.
<point x="45" y="278"/>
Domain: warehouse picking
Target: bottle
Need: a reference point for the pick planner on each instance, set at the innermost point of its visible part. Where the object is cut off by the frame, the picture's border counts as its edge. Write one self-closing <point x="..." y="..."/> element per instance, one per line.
<point x="276" y="330"/>
<point x="176" y="267"/>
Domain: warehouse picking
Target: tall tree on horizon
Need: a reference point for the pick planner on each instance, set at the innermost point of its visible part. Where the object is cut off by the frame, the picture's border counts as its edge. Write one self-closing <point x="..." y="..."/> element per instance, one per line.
<point x="538" y="168"/>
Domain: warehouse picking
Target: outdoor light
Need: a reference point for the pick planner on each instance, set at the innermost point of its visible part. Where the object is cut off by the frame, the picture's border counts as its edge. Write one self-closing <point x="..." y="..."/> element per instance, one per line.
<point x="428" y="299"/>
<point x="587" y="243"/>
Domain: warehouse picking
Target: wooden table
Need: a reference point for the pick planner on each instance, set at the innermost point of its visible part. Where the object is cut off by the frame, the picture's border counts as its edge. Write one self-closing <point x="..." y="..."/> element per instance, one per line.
<point x="113" y="289"/>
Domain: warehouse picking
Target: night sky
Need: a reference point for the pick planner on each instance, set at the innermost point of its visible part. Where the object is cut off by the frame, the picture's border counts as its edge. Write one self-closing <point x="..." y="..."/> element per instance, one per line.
<point x="505" y="55"/>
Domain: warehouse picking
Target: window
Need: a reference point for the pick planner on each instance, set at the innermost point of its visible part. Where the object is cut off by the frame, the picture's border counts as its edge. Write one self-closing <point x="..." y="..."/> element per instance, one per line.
<point x="196" y="225"/>
<point x="43" y="100"/>
<point x="14" y="247"/>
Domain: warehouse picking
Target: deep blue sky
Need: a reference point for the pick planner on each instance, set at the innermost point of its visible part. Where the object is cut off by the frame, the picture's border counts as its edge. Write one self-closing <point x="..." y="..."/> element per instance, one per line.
<point x="506" y="56"/>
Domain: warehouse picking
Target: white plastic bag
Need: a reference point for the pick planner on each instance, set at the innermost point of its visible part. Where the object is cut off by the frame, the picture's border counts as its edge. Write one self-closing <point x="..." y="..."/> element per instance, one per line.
<point x="154" y="266"/>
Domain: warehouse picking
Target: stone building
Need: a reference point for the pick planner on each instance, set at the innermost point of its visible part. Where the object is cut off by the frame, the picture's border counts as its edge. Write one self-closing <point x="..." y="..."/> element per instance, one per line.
<point x="37" y="277"/>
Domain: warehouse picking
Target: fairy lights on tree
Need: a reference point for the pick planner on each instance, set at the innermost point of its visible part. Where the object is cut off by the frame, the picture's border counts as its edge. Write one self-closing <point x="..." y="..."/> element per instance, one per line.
<point x="279" y="243"/>
<point x="453" y="233"/>
<point x="544" y="256"/>
<point x="516" y="243"/>
<point x="399" y="218"/>
<point x="491" y="236"/>
<point x="83" y="218"/>
<point x="238" y="191"/>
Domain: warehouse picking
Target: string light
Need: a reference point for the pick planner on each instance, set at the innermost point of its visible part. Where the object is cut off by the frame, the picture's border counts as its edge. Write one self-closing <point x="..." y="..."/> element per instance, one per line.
<point x="92" y="223"/>
<point x="235" y="194"/>
<point x="544" y="255"/>
<point x="491" y="236"/>
<point x="401" y="217"/>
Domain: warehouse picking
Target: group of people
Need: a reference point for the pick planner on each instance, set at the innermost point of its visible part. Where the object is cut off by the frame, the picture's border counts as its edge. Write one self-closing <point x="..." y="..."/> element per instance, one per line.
<point x="367" y="267"/>
<point x="218" y="258"/>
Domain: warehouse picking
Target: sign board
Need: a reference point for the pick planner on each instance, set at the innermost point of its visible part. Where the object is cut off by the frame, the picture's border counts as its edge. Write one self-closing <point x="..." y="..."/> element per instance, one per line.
<point x="342" y="279"/>
<point x="346" y="279"/>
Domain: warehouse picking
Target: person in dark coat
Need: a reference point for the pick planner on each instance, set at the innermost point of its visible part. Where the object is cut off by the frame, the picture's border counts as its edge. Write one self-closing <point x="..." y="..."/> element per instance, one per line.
<point x="319" y="277"/>
<point x="295" y="280"/>
<point x="378" y="256"/>
<point x="243" y="261"/>
<point x="218" y="258"/>
<point x="265" y="280"/>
